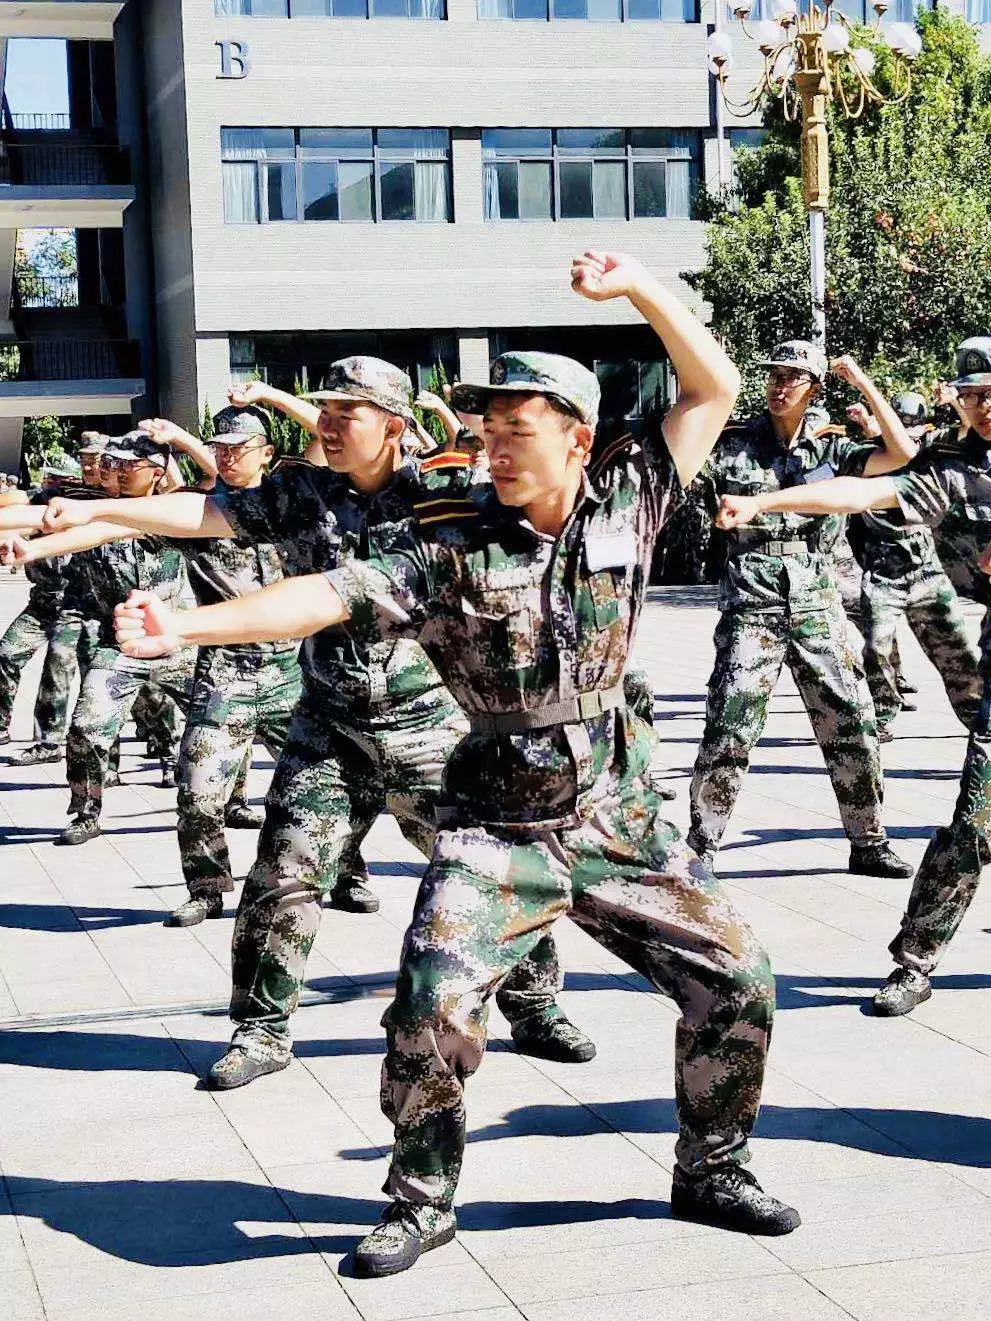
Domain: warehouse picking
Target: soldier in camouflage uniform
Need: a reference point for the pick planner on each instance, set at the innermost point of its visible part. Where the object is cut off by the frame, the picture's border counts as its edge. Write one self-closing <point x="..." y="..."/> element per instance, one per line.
<point x="960" y="476"/>
<point x="374" y="726"/>
<point x="780" y="607"/>
<point x="526" y="594"/>
<point x="903" y="578"/>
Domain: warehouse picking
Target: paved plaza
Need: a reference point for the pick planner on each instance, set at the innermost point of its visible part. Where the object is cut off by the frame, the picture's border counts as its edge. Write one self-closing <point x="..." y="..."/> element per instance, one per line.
<point x="131" y="1194"/>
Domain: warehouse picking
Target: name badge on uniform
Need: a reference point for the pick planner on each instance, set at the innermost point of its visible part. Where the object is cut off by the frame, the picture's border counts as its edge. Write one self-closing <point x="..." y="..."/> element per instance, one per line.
<point x="824" y="473"/>
<point x="610" y="550"/>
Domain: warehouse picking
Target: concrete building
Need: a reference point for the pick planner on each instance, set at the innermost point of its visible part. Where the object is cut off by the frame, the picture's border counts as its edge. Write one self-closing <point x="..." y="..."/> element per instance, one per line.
<point x="300" y="179"/>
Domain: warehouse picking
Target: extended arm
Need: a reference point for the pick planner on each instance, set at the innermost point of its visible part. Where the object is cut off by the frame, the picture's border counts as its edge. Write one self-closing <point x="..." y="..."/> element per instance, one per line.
<point x="181" y="514"/>
<point x="708" y="382"/>
<point x="842" y="495"/>
<point x="292" y="608"/>
<point x="74" y="539"/>
<point x="898" y="448"/>
<point x="19" y="518"/>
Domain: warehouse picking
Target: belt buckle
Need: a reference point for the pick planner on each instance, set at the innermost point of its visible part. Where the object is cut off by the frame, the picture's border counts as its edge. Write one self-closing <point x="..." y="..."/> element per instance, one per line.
<point x="589" y="705"/>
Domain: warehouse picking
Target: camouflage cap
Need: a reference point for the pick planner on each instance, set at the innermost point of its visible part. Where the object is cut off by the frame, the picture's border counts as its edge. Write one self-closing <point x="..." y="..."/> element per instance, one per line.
<point x="61" y="465"/>
<point x="801" y="355"/>
<point x="973" y="361"/>
<point x="372" y="379"/>
<point x="233" y="425"/>
<point x="137" y="445"/>
<point x="910" y="406"/>
<point x="94" y="442"/>
<point x="535" y="373"/>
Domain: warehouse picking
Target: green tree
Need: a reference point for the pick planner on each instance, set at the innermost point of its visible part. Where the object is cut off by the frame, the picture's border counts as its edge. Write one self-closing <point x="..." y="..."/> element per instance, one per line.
<point x="51" y="255"/>
<point x="908" y="230"/>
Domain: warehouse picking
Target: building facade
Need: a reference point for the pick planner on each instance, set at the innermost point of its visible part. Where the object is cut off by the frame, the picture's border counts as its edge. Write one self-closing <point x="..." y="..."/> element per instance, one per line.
<point x="310" y="178"/>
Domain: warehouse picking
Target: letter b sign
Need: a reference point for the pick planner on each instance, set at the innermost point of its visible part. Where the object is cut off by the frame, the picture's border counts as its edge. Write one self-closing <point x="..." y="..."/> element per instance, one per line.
<point x="233" y="59"/>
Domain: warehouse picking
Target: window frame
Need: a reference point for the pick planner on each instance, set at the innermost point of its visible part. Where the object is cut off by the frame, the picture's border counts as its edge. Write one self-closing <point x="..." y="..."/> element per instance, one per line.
<point x="368" y="16"/>
<point x="624" y="16"/>
<point x="315" y="155"/>
<point x="627" y="154"/>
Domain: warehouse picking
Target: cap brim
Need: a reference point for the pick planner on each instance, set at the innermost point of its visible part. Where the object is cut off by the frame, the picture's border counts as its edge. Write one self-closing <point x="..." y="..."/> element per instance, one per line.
<point x="797" y="366"/>
<point x="319" y="396"/>
<point x="160" y="459"/>
<point x="975" y="378"/>
<point x="475" y="398"/>
<point x="239" y="438"/>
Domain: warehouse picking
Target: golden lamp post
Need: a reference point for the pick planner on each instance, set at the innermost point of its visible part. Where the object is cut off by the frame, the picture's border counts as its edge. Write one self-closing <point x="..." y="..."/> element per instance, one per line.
<point x="809" y="63"/>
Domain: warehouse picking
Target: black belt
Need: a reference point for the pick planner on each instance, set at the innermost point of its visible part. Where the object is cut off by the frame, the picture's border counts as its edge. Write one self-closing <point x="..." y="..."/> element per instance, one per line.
<point x="571" y="711"/>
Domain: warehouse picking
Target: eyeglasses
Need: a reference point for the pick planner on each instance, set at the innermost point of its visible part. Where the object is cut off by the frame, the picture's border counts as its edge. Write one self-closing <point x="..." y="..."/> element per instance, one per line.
<point x="111" y="462"/>
<point x="974" y="398"/>
<point x="234" y="451"/>
<point x="785" y="376"/>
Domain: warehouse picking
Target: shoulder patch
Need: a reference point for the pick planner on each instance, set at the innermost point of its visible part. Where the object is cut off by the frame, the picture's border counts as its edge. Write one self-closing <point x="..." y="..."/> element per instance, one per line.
<point x="829" y="429"/>
<point x="280" y="464"/>
<point x="446" y="459"/>
<point x="610" y="452"/>
<point x="444" y="509"/>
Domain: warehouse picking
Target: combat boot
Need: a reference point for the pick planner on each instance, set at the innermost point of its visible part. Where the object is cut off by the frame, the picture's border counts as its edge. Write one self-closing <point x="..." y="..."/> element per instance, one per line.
<point x="113" y="780"/>
<point x="729" y="1197"/>
<point x="550" y="1035"/>
<point x="81" y="830"/>
<point x="246" y="1059"/>
<point x="878" y="860"/>
<point x="196" y="910"/>
<point x="352" y="895"/>
<point x="238" y="815"/>
<point x="884" y="734"/>
<point x="38" y="754"/>
<point x="901" y="993"/>
<point x="4" y="736"/>
<point x="403" y="1234"/>
<point x="167" y="767"/>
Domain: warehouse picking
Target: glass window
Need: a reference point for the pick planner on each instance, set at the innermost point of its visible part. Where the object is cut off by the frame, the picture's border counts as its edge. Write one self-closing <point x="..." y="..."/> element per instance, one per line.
<point x="979" y="11"/>
<point x="337" y="174"/>
<point x="535" y="191"/>
<point x="590" y="173"/>
<point x="576" y="190"/>
<point x="430" y="9"/>
<point x="591" y="11"/>
<point x="266" y="8"/>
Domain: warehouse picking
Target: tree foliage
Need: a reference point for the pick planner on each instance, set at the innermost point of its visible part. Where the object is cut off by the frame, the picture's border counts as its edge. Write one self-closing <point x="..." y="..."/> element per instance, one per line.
<point x="908" y="232"/>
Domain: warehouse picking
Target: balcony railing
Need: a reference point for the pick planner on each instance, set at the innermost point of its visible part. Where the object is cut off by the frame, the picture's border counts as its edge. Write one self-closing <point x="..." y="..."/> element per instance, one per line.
<point x="52" y="165"/>
<point x="69" y="360"/>
<point x="46" y="123"/>
<point x="33" y="290"/>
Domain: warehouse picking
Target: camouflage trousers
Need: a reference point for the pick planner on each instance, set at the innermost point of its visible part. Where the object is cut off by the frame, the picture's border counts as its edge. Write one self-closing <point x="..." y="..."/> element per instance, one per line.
<point x="25" y="636"/>
<point x="332" y="781"/>
<point x="628" y="879"/>
<point x="239" y="697"/>
<point x="927" y="600"/>
<point x="950" y="871"/>
<point x="817" y="648"/>
<point x="638" y="692"/>
<point x="105" y="700"/>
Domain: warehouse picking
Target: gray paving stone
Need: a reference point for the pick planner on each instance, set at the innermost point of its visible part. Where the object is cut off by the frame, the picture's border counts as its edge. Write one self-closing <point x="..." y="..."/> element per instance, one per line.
<point x="954" y="1287"/>
<point x="780" y="1298"/>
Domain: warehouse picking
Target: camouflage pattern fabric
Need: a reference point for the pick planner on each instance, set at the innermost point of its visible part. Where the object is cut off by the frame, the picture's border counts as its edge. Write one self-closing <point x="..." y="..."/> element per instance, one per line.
<point x="628" y="880"/>
<point x="24" y="636"/>
<point x="817" y="648"/>
<point x="240" y="696"/>
<point x="155" y="718"/>
<point x="549" y="820"/>
<point x="784" y="609"/>
<point x="332" y="781"/>
<point x="105" y="701"/>
<point x="111" y="572"/>
<point x="638" y="691"/>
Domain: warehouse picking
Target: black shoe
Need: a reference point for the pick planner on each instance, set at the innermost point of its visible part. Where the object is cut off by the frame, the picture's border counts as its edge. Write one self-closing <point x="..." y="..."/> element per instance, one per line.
<point x="238" y="1067"/>
<point x="904" y="990"/>
<point x="552" y="1036"/>
<point x="729" y="1197"/>
<point x="38" y="754"/>
<point x="113" y="780"/>
<point x="905" y="685"/>
<point x="877" y="860"/>
<point x="352" y="896"/>
<point x="403" y="1234"/>
<point x="239" y="816"/>
<point x="79" y="831"/>
<point x="4" y="736"/>
<point x="884" y="734"/>
<point x="196" y="910"/>
<point x="909" y="706"/>
<point x="167" y="766"/>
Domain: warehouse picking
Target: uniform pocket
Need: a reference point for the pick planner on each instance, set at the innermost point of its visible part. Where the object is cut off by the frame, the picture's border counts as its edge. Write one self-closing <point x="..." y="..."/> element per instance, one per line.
<point x="500" y="626"/>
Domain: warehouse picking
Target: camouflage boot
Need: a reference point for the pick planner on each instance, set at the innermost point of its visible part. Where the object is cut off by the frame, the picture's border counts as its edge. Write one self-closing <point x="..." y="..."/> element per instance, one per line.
<point x="551" y="1035"/>
<point x="253" y="1052"/>
<point x="240" y="815"/>
<point x="729" y="1197"/>
<point x="196" y="910"/>
<point x="904" y="991"/>
<point x="403" y="1234"/>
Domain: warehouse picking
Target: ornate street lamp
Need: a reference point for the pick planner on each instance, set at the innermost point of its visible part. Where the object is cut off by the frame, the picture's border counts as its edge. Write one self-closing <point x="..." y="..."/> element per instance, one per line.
<point x="809" y="61"/>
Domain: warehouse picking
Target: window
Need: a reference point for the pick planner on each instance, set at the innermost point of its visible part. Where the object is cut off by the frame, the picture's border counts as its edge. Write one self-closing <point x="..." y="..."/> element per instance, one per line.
<point x="432" y="9"/>
<point x="979" y="11"/>
<point x="858" y="11"/>
<point x="287" y="359"/>
<point x="341" y="174"/>
<point x="589" y="174"/>
<point x="592" y="11"/>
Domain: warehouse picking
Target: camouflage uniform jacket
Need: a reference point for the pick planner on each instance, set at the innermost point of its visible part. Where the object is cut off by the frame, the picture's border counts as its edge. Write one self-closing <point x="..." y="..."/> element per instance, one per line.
<point x="316" y="518"/>
<point x="964" y="531"/>
<point x="515" y="620"/>
<point x="748" y="460"/>
<point x="890" y="546"/>
<point x="47" y="579"/>
<point x="114" y="570"/>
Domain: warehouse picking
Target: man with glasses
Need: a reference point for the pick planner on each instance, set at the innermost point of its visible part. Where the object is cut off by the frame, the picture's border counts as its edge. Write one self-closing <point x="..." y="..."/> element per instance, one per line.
<point x="373" y="729"/>
<point x="780" y="606"/>
<point x="958" y="477"/>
